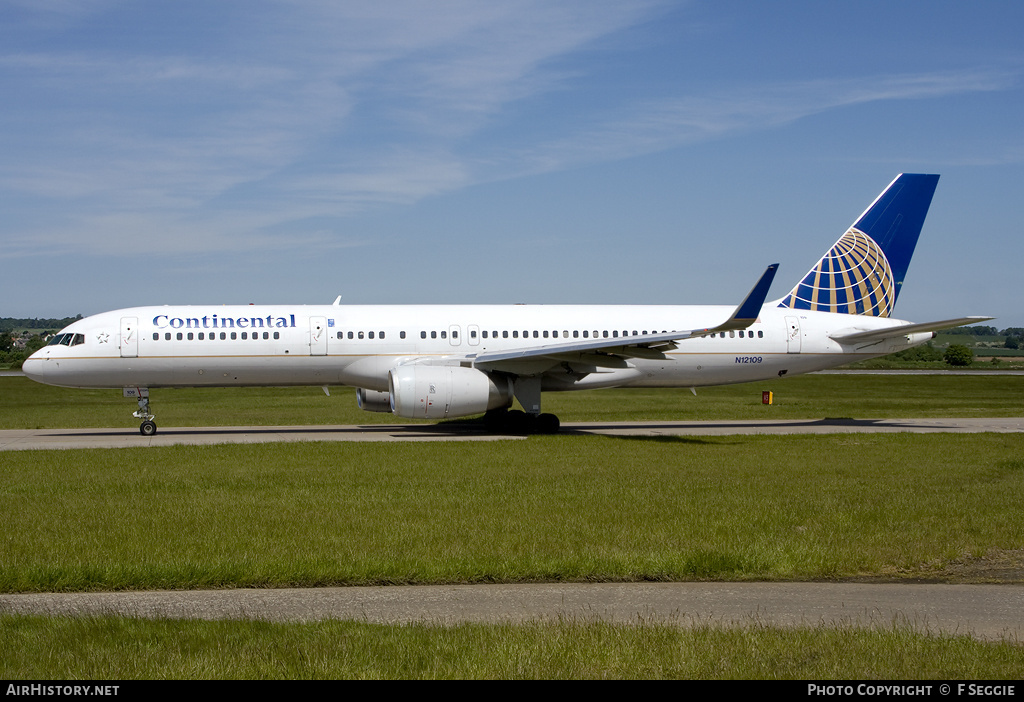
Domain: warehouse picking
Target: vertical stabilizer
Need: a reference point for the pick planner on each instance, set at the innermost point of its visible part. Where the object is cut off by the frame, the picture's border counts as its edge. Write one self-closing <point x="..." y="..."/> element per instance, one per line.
<point x="864" y="271"/>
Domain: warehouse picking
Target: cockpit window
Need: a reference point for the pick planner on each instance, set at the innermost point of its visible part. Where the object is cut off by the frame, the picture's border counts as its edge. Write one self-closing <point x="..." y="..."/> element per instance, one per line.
<point x="67" y="339"/>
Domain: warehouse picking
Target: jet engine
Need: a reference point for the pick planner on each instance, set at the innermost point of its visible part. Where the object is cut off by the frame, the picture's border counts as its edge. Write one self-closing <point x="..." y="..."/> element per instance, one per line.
<point x="444" y="392"/>
<point x="373" y="401"/>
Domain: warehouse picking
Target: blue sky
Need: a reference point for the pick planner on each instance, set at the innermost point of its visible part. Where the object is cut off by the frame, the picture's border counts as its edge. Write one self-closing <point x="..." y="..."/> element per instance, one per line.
<point x="519" y="151"/>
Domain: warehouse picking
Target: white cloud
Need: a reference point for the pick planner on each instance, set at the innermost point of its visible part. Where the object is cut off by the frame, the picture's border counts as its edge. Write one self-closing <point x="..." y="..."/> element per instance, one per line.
<point x="659" y="125"/>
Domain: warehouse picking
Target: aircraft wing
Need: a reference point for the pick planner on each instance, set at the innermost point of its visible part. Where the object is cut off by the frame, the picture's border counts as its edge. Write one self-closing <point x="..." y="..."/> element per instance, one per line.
<point x="900" y="330"/>
<point x="612" y="351"/>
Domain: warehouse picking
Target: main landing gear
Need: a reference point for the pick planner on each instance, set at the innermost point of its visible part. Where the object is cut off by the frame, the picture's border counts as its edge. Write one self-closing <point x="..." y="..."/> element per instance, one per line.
<point x="532" y="421"/>
<point x="508" y="421"/>
<point x="148" y="426"/>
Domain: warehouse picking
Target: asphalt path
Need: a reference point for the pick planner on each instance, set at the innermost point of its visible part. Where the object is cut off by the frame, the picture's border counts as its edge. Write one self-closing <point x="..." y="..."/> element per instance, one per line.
<point x="989" y="612"/>
<point x="23" y="439"/>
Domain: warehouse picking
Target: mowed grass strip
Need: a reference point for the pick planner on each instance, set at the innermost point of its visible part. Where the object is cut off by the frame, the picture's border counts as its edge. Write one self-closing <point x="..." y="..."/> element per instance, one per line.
<point x="109" y="648"/>
<point x="28" y="405"/>
<point x="554" y="508"/>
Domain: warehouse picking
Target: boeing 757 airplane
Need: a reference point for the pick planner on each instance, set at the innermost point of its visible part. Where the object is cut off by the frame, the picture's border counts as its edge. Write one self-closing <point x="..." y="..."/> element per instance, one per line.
<point x="444" y="361"/>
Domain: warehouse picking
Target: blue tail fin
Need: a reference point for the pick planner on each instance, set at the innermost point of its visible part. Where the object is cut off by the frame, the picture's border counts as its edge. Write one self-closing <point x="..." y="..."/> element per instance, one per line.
<point x="864" y="271"/>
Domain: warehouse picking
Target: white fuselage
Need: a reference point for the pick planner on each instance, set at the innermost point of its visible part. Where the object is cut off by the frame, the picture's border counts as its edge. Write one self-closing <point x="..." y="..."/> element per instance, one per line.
<point x="184" y="346"/>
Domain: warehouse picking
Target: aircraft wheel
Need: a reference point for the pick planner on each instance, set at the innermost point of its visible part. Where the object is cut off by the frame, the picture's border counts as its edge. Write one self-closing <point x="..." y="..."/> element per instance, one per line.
<point x="496" y="419"/>
<point x="147" y="428"/>
<point x="547" y="424"/>
<point x="517" y="422"/>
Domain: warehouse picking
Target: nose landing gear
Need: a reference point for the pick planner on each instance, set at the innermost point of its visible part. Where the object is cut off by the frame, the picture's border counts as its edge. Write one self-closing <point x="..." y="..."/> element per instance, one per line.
<point x="148" y="426"/>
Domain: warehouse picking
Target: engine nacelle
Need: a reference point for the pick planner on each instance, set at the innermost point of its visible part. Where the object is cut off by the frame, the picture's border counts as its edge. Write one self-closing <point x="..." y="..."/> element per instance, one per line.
<point x="373" y="401"/>
<point x="444" y="392"/>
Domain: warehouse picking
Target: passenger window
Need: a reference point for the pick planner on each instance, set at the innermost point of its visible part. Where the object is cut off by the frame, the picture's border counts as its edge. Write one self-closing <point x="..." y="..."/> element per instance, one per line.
<point x="190" y="336"/>
<point x="444" y="335"/>
<point x="156" y="337"/>
<point x="277" y="335"/>
<point x="167" y="336"/>
<point x="515" y="333"/>
<point x="504" y="334"/>
<point x="245" y="335"/>
<point x="371" y="335"/>
<point x="361" y="335"/>
<point x="423" y="335"/>
<point x="401" y="335"/>
<point x="234" y="336"/>
<point x="178" y="336"/>
<point x="433" y="335"/>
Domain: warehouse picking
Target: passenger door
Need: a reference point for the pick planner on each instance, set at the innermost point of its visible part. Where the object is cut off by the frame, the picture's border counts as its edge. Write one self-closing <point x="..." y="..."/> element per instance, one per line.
<point x="129" y="337"/>
<point x="793" y="335"/>
<point x="318" y="336"/>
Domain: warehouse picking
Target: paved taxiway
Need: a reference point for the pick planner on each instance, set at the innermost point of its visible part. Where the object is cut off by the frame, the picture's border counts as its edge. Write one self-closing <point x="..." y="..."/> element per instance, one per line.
<point x="22" y="439"/>
<point x="984" y="611"/>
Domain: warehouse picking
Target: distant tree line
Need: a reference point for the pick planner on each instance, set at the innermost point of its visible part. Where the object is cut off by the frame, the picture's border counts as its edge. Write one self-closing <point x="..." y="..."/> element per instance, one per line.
<point x="1014" y="335"/>
<point x="982" y="330"/>
<point x="15" y="347"/>
<point x="8" y="324"/>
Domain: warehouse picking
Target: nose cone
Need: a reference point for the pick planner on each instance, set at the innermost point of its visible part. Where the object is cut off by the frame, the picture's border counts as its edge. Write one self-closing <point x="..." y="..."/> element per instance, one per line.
<point x="35" y="366"/>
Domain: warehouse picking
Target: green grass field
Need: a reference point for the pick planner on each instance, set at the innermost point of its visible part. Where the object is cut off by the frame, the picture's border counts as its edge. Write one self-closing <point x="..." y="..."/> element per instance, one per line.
<point x="51" y="648"/>
<point x="556" y="508"/>
<point x="551" y="508"/>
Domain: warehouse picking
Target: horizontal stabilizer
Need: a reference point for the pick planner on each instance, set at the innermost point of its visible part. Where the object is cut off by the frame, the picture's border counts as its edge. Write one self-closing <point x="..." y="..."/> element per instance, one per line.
<point x="903" y="329"/>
